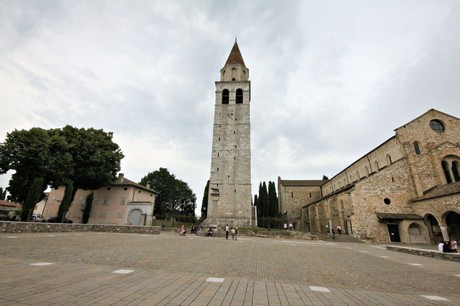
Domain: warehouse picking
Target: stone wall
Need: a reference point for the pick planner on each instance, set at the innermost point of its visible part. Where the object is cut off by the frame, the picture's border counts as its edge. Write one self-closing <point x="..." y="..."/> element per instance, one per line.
<point x="37" y="227"/>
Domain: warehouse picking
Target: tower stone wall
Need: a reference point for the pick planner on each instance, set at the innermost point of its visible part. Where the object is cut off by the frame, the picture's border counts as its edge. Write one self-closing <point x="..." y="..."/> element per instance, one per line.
<point x="229" y="199"/>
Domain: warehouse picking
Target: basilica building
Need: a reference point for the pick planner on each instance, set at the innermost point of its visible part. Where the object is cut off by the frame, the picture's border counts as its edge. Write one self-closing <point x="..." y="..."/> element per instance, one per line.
<point x="405" y="190"/>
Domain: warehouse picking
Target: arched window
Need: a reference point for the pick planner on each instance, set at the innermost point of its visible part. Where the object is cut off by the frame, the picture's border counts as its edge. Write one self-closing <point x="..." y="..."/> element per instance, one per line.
<point x="455" y="170"/>
<point x="417" y="147"/>
<point x="239" y="96"/>
<point x="445" y="168"/>
<point x="225" y="96"/>
<point x="450" y="166"/>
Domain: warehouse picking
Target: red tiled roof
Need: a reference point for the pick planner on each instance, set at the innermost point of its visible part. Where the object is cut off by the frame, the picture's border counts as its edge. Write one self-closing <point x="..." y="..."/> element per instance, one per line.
<point x="235" y="56"/>
<point x="9" y="204"/>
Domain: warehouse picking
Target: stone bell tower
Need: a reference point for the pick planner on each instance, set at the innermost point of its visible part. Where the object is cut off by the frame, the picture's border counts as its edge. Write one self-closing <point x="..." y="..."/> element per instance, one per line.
<point x="229" y="199"/>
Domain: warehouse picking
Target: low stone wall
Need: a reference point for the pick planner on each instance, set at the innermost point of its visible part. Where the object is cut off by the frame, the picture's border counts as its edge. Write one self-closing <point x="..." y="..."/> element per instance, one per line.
<point x="426" y="253"/>
<point x="39" y="227"/>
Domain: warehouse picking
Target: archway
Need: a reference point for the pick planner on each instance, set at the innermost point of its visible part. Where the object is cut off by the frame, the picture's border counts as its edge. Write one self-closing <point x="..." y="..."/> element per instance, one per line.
<point x="433" y="229"/>
<point x="453" y="224"/>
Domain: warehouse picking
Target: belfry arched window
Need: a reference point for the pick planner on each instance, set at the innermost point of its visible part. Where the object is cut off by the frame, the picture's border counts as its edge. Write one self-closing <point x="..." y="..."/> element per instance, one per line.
<point x="239" y="96"/>
<point x="225" y="96"/>
<point x="451" y="168"/>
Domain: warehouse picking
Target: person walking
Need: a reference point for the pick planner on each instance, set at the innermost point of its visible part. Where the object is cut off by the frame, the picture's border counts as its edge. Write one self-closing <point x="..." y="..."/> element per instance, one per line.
<point x="339" y="229"/>
<point x="236" y="233"/>
<point x="226" y="231"/>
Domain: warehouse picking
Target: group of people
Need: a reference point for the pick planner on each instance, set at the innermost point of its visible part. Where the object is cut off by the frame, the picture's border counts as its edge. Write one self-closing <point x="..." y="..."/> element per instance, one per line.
<point x="448" y="246"/>
<point x="233" y="231"/>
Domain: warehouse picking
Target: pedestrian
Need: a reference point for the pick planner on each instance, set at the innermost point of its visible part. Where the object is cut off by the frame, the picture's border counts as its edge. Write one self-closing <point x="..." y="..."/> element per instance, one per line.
<point x="226" y="231"/>
<point x="285" y="226"/>
<point x="236" y="233"/>
<point x="182" y="230"/>
<point x="441" y="246"/>
<point x="453" y="245"/>
<point x="233" y="233"/>
<point x="333" y="234"/>
<point x="446" y="247"/>
<point x="339" y="229"/>
<point x="201" y="226"/>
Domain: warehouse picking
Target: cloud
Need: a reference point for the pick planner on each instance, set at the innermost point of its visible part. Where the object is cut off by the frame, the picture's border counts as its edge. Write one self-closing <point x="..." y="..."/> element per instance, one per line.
<point x="330" y="80"/>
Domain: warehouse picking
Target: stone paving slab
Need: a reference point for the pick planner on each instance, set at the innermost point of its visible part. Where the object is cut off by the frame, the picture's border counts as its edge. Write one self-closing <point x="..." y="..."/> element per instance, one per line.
<point x="170" y="270"/>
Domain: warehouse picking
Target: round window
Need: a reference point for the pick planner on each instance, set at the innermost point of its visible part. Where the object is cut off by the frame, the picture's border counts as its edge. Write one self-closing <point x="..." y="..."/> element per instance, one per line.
<point x="437" y="126"/>
<point x="386" y="201"/>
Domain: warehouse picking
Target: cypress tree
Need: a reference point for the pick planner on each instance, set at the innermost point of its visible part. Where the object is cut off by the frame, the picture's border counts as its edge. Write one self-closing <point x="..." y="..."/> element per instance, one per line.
<point x="88" y="206"/>
<point x="34" y="195"/>
<point x="204" y="203"/>
<point x="273" y="200"/>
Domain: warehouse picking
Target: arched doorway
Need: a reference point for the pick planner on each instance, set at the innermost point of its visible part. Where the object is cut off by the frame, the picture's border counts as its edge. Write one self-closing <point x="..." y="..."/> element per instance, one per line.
<point x="433" y="229"/>
<point x="453" y="224"/>
<point x="135" y="217"/>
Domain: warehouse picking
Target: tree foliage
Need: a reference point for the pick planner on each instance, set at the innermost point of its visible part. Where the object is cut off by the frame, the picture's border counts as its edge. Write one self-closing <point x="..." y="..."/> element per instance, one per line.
<point x="86" y="158"/>
<point x="88" y="207"/>
<point x="2" y="194"/>
<point x="34" y="195"/>
<point x="69" y="194"/>
<point x="267" y="205"/>
<point x="204" y="202"/>
<point x="175" y="198"/>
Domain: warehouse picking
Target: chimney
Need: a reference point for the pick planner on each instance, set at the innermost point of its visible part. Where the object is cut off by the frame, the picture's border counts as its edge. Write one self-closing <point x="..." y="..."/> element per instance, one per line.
<point x="121" y="177"/>
<point x="148" y="185"/>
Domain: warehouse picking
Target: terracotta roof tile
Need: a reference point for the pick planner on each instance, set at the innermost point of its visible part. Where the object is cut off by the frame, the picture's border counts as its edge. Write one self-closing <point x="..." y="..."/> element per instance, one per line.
<point x="235" y="56"/>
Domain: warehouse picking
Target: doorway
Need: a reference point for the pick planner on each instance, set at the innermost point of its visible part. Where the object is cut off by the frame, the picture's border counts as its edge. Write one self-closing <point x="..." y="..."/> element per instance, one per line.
<point x="393" y="230"/>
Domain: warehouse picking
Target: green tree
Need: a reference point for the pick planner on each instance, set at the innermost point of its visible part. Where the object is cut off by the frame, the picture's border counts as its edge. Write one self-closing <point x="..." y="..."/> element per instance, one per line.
<point x="86" y="157"/>
<point x="88" y="207"/>
<point x="2" y="194"/>
<point x="34" y="195"/>
<point x="94" y="159"/>
<point x="66" y="201"/>
<point x="272" y="200"/>
<point x="204" y="202"/>
<point x="175" y="198"/>
<point x="27" y="153"/>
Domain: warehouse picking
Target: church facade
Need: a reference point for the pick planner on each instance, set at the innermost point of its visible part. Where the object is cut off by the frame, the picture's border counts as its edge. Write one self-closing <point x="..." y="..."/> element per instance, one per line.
<point x="405" y="190"/>
<point x="229" y="198"/>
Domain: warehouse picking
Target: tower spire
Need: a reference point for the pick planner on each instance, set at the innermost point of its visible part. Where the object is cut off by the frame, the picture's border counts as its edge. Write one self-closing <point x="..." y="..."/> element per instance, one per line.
<point x="235" y="56"/>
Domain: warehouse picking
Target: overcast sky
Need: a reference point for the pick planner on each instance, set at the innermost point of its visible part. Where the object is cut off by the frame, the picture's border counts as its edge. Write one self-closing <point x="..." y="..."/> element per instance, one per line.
<point x="330" y="80"/>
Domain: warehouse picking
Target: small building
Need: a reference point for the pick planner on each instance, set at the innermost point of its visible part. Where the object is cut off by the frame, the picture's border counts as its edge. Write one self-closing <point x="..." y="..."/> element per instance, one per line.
<point x="8" y="210"/>
<point x="123" y="202"/>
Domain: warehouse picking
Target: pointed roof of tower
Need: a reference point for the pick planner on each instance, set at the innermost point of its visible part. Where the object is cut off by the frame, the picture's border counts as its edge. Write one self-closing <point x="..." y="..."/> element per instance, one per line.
<point x="235" y="56"/>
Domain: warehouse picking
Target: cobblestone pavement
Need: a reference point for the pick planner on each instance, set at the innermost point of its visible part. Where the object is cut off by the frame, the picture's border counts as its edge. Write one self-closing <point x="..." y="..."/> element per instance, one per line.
<point x="165" y="269"/>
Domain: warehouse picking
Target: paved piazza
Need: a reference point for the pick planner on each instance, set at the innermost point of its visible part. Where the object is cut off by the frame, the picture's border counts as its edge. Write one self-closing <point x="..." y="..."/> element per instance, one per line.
<point x="165" y="269"/>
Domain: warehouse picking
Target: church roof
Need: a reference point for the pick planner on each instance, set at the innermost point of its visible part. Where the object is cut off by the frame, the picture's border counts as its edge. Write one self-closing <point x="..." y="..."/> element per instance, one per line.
<point x="440" y="191"/>
<point x="235" y="56"/>
<point x="293" y="183"/>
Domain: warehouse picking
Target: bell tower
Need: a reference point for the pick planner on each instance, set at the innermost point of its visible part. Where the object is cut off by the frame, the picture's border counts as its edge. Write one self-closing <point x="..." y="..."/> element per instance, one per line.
<point x="229" y="199"/>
